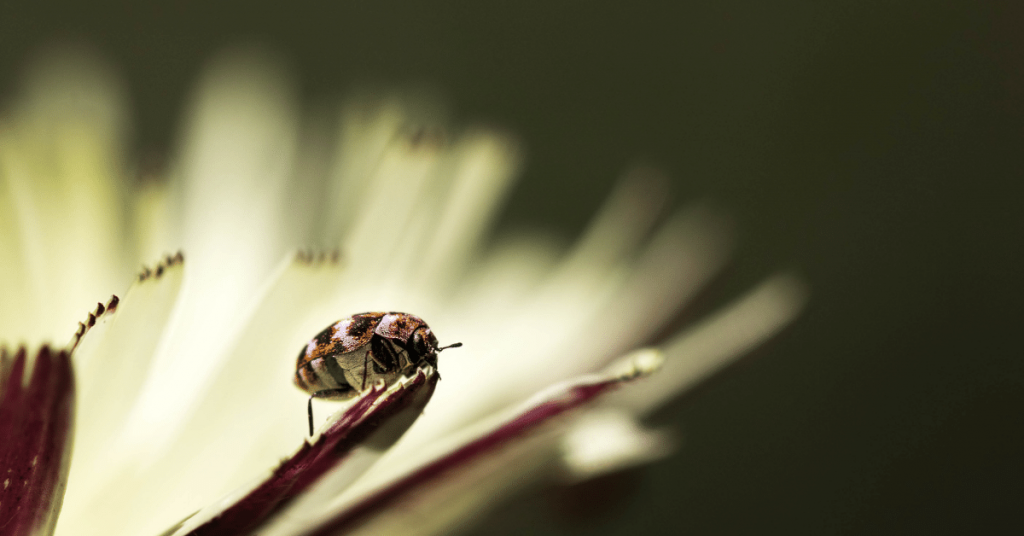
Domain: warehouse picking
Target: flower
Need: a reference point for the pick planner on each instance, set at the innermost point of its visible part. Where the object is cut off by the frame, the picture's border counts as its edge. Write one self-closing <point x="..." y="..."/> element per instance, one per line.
<point x="184" y="408"/>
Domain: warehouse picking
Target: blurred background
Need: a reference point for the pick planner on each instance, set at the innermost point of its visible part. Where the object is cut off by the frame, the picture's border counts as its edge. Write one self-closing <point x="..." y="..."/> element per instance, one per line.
<point x="874" y="147"/>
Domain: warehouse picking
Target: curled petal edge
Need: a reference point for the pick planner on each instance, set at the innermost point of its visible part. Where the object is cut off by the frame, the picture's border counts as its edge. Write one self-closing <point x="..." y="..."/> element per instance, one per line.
<point x="380" y="415"/>
<point x="486" y="440"/>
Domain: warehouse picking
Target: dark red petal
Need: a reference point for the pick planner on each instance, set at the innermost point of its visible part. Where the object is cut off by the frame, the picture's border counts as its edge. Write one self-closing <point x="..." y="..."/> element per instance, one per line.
<point x="381" y="409"/>
<point x="548" y="405"/>
<point x="35" y="439"/>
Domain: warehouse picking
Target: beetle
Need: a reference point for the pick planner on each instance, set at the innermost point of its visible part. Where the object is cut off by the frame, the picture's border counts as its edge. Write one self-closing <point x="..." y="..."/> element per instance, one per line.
<point x="360" y="350"/>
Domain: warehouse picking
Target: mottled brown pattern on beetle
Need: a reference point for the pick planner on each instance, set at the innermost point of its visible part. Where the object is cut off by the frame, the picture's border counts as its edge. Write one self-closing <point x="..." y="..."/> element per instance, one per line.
<point x="386" y="337"/>
<point x="395" y="326"/>
<point x="362" y="323"/>
<point x="324" y="346"/>
<point x="359" y="331"/>
<point x="305" y="378"/>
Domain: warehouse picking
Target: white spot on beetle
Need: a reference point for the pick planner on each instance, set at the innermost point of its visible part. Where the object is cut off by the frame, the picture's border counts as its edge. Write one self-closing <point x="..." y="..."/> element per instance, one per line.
<point x="340" y="329"/>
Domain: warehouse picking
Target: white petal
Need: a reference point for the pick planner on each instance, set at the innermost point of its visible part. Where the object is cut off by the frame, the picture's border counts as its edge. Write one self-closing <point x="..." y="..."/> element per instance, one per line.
<point x="384" y="214"/>
<point x="233" y="171"/>
<point x="61" y="188"/>
<point x="482" y="169"/>
<point x="578" y="320"/>
<point x="683" y="256"/>
<point x="154" y="221"/>
<point x="111" y="361"/>
<point x="366" y="131"/>
<point x="247" y="421"/>
<point x="608" y="440"/>
<point x="716" y="341"/>
<point x="441" y="486"/>
<point x="340" y="452"/>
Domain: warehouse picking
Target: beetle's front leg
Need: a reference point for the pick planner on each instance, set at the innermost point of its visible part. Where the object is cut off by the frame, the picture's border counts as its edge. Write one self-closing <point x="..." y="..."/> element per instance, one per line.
<point x="383" y="357"/>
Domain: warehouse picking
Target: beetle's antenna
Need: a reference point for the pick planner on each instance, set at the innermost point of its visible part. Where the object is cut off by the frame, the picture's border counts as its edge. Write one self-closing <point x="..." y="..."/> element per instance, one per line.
<point x="455" y="345"/>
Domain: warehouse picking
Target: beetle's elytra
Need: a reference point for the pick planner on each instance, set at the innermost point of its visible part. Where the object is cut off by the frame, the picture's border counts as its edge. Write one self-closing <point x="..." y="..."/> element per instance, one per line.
<point x="351" y="354"/>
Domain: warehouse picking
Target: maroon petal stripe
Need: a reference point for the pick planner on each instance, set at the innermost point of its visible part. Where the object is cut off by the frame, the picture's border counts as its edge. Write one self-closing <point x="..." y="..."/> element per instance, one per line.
<point x="475" y="450"/>
<point x="35" y="439"/>
<point x="370" y="413"/>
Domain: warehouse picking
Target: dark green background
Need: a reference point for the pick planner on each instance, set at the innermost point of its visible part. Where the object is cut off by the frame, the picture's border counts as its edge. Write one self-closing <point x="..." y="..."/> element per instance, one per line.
<point x="873" y="146"/>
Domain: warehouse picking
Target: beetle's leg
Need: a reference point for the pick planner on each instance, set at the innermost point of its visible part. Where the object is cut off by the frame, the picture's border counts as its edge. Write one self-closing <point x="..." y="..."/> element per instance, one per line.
<point x="382" y="356"/>
<point x="366" y="363"/>
<point x="309" y="409"/>
<point x="405" y="350"/>
<point x="321" y="394"/>
<point x="389" y="348"/>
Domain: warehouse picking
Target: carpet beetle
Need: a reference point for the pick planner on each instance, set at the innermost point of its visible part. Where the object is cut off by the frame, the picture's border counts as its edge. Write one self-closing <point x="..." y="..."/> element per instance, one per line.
<point x="351" y="354"/>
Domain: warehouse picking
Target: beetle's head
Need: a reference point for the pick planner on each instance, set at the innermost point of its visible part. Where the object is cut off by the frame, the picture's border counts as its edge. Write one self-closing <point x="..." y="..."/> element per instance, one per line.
<point x="425" y="344"/>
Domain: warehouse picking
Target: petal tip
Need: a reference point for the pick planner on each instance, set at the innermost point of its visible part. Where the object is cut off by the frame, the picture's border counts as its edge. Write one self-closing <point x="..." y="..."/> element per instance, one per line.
<point x="162" y="267"/>
<point x="638" y="363"/>
<point x="318" y="258"/>
<point x="100" y="313"/>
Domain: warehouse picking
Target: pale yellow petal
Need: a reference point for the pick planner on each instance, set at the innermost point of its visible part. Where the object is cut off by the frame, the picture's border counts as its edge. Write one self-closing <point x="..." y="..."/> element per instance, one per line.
<point x="112" y="361"/>
<point x="718" y="340"/>
<point x="61" y="190"/>
<point x="367" y="129"/>
<point x="607" y="440"/>
<point x="233" y="168"/>
<point x="249" y="418"/>
<point x="482" y="464"/>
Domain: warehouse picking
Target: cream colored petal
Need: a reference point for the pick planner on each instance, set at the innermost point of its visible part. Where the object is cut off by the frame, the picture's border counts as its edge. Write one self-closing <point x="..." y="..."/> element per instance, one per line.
<point x="250" y="417"/>
<point x="607" y="440"/>
<point x="716" y="341"/>
<point x="384" y="213"/>
<point x="345" y="446"/>
<point x="480" y="172"/>
<point x="446" y="484"/>
<point x="413" y="219"/>
<point x="500" y="285"/>
<point x="304" y="198"/>
<point x="113" y="358"/>
<point x="17" y="312"/>
<point x="253" y="414"/>
<point x="62" y="180"/>
<point x="619" y="228"/>
<point x="584" y="315"/>
<point x="233" y="169"/>
<point x="154" y="221"/>
<point x="367" y="130"/>
<point x="683" y="256"/>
